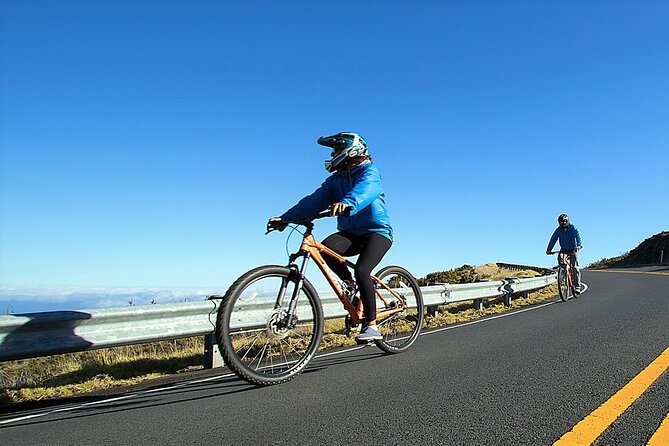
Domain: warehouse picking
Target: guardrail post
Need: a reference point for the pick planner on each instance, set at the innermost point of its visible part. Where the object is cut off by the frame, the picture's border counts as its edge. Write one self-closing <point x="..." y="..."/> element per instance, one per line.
<point x="478" y="304"/>
<point x="507" y="289"/>
<point x="507" y="299"/>
<point x="212" y="356"/>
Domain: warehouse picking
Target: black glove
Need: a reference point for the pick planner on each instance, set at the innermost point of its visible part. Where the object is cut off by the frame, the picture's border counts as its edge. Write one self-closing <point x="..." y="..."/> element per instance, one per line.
<point x="276" y="224"/>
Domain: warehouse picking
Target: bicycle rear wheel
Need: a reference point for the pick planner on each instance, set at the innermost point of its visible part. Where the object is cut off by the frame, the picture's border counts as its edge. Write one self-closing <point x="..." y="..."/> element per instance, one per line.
<point x="257" y="339"/>
<point x="401" y="329"/>
<point x="563" y="284"/>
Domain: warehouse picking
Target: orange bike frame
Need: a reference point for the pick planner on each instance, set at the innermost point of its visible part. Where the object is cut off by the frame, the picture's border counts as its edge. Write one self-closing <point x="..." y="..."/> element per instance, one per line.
<point x="315" y="250"/>
<point x="564" y="262"/>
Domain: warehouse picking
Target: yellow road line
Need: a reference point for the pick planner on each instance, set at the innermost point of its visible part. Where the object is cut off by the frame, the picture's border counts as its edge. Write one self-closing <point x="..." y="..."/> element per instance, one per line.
<point x="592" y="426"/>
<point x="657" y="273"/>
<point x="661" y="436"/>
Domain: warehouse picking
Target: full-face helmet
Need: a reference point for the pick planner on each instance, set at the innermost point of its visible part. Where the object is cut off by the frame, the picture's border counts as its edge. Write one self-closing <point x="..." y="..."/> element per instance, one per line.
<point x="344" y="145"/>
<point x="563" y="219"/>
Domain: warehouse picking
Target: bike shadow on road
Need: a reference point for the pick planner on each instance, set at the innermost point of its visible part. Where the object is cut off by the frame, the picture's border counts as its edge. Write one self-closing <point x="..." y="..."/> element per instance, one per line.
<point x="343" y="356"/>
<point x="152" y="396"/>
<point x="219" y="384"/>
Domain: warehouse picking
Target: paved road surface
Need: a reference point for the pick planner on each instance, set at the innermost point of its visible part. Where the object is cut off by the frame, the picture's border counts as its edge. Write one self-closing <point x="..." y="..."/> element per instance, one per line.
<point x="522" y="379"/>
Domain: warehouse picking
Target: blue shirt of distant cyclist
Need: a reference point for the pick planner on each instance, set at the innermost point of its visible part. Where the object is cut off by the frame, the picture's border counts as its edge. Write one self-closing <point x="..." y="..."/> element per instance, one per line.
<point x="569" y="238"/>
<point x="361" y="189"/>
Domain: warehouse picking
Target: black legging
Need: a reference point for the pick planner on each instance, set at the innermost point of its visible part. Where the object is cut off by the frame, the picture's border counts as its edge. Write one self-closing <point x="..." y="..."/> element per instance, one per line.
<point x="371" y="247"/>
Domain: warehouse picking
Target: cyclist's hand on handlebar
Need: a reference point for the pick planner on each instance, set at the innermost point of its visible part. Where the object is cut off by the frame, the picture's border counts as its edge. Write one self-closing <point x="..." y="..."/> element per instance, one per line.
<point x="276" y="224"/>
<point x="339" y="209"/>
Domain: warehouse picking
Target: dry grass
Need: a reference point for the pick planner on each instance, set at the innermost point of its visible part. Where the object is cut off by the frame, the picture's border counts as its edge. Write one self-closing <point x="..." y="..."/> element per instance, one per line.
<point x="463" y="312"/>
<point x="78" y="373"/>
<point x="71" y="374"/>
<point x="491" y="271"/>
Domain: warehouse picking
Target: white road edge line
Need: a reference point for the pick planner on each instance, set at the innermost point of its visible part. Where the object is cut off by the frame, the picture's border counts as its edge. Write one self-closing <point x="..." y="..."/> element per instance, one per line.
<point x="478" y="321"/>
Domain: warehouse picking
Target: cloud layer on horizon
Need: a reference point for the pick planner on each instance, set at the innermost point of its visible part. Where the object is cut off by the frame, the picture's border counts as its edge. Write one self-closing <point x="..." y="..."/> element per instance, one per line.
<point x="27" y="299"/>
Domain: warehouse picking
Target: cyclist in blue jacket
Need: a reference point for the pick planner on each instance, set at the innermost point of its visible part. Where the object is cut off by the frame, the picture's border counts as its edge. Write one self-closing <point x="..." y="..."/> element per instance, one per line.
<point x="570" y="244"/>
<point x="355" y="195"/>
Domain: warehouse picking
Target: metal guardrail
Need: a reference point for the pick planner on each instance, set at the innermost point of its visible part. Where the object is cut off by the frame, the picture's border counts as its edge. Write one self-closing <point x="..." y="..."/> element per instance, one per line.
<point x="31" y="335"/>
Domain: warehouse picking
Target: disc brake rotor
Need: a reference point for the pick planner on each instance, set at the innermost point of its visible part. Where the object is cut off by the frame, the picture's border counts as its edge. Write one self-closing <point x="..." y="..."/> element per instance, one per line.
<point x="276" y="324"/>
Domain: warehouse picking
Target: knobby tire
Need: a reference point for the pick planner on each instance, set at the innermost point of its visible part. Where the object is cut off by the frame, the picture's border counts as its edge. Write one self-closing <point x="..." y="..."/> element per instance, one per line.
<point x="399" y="330"/>
<point x="564" y="287"/>
<point x="254" y="342"/>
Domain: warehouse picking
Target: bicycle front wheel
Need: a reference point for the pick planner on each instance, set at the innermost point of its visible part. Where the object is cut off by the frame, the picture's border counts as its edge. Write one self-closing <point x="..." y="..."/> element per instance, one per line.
<point x="563" y="284"/>
<point x="399" y="329"/>
<point x="259" y="340"/>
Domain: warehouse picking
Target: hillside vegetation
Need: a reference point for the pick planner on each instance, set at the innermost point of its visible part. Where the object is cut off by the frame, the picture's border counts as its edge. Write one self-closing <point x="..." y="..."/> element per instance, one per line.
<point x="470" y="274"/>
<point x="648" y="252"/>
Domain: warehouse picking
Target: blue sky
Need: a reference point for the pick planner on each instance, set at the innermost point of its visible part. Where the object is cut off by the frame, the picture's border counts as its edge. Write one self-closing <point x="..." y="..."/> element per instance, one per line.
<point x="146" y="143"/>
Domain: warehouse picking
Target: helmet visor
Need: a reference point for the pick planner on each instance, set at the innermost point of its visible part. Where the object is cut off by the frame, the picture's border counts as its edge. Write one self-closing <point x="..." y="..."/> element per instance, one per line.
<point x="337" y="143"/>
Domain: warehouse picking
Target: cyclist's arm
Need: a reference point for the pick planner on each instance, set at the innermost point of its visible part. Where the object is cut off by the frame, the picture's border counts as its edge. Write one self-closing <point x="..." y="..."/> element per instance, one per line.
<point x="367" y="189"/>
<point x="309" y="206"/>
<point x="578" y="238"/>
<point x="552" y="241"/>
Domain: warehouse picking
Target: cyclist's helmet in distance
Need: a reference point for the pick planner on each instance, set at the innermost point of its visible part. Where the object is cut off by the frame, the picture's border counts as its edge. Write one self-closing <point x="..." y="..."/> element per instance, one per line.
<point x="344" y="145"/>
<point x="563" y="219"/>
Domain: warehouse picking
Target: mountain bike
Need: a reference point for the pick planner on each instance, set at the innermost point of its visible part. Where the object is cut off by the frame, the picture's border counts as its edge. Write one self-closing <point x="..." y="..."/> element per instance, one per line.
<point x="270" y="321"/>
<point x="565" y="277"/>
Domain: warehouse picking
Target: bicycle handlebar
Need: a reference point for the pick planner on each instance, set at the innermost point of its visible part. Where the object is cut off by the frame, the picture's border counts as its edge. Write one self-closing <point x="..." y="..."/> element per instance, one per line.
<point x="308" y="223"/>
<point x="566" y="251"/>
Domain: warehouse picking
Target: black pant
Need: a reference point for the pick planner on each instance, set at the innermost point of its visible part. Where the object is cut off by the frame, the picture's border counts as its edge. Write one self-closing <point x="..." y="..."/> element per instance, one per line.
<point x="371" y="249"/>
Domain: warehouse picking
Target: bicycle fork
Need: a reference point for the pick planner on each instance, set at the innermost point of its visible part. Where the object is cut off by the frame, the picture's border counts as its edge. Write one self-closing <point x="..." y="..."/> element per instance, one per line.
<point x="298" y="275"/>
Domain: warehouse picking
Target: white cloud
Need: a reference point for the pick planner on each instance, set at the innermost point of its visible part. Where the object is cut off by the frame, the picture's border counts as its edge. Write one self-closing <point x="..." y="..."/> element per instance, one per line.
<point x="19" y="299"/>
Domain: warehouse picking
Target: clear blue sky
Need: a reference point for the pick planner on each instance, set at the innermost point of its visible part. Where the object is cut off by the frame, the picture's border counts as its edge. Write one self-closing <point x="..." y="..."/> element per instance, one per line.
<point x="146" y="143"/>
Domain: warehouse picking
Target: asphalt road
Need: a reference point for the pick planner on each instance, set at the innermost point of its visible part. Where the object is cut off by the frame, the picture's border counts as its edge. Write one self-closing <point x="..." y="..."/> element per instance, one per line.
<point x="525" y="378"/>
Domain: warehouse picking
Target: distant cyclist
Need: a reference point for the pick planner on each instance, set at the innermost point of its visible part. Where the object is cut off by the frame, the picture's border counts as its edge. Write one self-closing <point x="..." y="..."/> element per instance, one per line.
<point x="570" y="244"/>
<point x="355" y="195"/>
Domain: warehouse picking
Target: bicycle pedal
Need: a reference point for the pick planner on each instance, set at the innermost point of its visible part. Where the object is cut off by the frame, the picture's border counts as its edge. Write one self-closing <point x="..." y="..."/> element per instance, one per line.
<point x="368" y="343"/>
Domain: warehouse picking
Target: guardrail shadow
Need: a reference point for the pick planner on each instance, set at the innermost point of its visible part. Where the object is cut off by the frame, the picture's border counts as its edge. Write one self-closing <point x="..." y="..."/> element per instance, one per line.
<point x="42" y="334"/>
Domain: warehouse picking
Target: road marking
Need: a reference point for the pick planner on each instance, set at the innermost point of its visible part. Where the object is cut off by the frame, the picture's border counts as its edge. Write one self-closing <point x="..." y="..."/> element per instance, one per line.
<point x="478" y="321"/>
<point x="661" y="436"/>
<point x="657" y="273"/>
<point x="592" y="426"/>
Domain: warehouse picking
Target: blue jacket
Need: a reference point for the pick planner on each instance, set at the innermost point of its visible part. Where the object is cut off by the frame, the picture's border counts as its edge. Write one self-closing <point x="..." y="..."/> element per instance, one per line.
<point x="359" y="188"/>
<point x="569" y="239"/>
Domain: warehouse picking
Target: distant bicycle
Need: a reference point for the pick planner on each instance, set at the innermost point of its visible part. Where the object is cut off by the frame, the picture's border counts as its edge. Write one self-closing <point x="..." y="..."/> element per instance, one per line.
<point x="565" y="277"/>
<point x="270" y="322"/>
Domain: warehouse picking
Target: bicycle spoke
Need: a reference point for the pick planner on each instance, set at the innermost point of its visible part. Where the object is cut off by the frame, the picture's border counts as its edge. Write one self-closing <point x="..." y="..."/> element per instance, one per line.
<point x="259" y="356"/>
<point x="250" y="348"/>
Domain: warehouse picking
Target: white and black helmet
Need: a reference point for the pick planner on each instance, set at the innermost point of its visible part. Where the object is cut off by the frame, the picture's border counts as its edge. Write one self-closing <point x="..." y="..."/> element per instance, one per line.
<point x="344" y="145"/>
